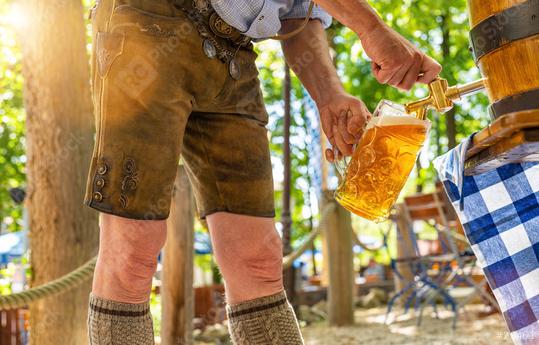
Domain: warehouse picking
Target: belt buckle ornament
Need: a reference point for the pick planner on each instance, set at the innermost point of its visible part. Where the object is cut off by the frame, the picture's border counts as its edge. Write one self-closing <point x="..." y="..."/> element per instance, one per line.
<point x="219" y="27"/>
<point x="201" y="5"/>
<point x="209" y="49"/>
<point x="234" y="69"/>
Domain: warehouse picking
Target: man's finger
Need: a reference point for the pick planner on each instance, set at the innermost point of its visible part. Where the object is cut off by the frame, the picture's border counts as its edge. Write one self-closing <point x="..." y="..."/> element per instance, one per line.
<point x="356" y="123"/>
<point x="412" y="75"/>
<point x="331" y="139"/>
<point x="327" y="123"/>
<point x="375" y="69"/>
<point x="338" y="155"/>
<point x="328" y="120"/>
<point x="330" y="157"/>
<point x="358" y="117"/>
<point x="383" y="74"/>
<point x="341" y="145"/>
<point x="399" y="75"/>
<point x="430" y="69"/>
<point x="342" y="123"/>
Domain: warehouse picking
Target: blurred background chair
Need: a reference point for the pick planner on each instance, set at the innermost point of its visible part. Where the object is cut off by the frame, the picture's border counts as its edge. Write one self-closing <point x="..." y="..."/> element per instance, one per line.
<point x="434" y="261"/>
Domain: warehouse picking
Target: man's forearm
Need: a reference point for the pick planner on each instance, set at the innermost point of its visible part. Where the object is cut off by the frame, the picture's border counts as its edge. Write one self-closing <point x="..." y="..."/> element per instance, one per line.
<point x="358" y="15"/>
<point x="308" y="55"/>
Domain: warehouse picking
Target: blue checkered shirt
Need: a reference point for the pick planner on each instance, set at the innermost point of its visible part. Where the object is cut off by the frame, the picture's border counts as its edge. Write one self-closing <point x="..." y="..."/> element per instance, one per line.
<point x="262" y="18"/>
<point x="499" y="211"/>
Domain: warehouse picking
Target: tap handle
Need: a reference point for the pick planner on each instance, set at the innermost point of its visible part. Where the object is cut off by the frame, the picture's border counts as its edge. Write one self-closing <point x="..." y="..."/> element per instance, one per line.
<point x="440" y="101"/>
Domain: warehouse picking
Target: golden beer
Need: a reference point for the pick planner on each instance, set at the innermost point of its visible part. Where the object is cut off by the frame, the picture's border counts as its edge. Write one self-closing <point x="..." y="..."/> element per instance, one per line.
<point x="381" y="164"/>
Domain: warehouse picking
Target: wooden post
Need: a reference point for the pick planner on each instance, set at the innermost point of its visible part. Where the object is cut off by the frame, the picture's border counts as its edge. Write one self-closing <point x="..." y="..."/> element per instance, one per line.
<point x="324" y="166"/>
<point x="405" y="249"/>
<point x="324" y="274"/>
<point x="340" y="265"/>
<point x="177" y="290"/>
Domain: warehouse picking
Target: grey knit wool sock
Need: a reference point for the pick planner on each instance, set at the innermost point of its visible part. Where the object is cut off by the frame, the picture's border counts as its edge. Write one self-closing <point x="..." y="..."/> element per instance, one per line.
<point x="115" y="323"/>
<point x="264" y="321"/>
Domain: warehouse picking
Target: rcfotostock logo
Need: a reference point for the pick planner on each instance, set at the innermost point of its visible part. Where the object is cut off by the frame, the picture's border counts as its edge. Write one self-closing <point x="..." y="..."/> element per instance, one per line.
<point x="136" y="77"/>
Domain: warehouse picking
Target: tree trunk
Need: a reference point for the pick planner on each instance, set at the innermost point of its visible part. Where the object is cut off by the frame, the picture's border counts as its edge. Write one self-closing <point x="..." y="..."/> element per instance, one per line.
<point x="450" y="125"/>
<point x="177" y="296"/>
<point x="419" y="181"/>
<point x="438" y="135"/>
<point x="451" y="128"/>
<point x="286" y="218"/>
<point x="63" y="232"/>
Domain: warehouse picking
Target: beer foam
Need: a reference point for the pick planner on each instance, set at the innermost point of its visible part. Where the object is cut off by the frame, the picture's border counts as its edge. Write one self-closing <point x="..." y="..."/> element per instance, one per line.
<point x="394" y="120"/>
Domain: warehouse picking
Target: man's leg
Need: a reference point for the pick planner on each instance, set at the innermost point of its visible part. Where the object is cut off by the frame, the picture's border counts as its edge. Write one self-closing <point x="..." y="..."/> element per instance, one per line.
<point x="248" y="251"/>
<point x="119" y="308"/>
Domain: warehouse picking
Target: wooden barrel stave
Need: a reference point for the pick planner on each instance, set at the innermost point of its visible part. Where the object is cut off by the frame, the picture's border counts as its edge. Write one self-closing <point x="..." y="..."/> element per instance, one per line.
<point x="482" y="9"/>
<point x="512" y="69"/>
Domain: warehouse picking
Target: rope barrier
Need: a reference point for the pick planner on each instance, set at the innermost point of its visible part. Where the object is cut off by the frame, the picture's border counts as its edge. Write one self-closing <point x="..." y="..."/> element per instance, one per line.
<point x="60" y="285"/>
<point x="290" y="258"/>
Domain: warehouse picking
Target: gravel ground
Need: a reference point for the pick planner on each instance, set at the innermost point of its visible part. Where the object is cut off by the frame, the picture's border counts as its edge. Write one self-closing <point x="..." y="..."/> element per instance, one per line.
<point x="370" y="329"/>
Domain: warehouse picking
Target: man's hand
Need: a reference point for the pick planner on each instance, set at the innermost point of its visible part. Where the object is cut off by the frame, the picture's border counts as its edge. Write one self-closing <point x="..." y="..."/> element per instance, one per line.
<point x="396" y="61"/>
<point x="343" y="120"/>
<point x="343" y="117"/>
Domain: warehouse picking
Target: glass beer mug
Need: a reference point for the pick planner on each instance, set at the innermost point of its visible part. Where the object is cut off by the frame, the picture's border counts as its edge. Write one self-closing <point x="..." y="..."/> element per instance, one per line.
<point x="372" y="179"/>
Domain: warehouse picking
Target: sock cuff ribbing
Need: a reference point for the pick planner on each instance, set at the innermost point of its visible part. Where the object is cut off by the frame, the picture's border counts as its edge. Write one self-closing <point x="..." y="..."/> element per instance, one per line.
<point x="104" y="308"/>
<point x="258" y="307"/>
<point x="117" y="323"/>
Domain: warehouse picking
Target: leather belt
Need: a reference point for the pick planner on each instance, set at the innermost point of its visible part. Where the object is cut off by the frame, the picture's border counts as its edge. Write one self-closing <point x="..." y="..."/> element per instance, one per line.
<point x="215" y="32"/>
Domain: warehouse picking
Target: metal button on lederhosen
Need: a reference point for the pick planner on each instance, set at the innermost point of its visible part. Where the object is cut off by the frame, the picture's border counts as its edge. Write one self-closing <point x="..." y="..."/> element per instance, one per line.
<point x="102" y="169"/>
<point x="98" y="196"/>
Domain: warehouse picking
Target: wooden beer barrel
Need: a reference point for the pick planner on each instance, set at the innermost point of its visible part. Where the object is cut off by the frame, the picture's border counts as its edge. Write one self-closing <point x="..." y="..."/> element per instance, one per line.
<point x="505" y="43"/>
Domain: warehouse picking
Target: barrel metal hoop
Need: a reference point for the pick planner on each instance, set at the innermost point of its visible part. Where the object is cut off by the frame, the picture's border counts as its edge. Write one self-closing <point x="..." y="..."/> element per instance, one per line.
<point x="514" y="23"/>
<point x="528" y="100"/>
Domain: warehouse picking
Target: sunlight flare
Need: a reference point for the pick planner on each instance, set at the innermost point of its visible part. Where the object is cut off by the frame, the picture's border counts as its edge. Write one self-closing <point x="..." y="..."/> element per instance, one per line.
<point x="16" y="17"/>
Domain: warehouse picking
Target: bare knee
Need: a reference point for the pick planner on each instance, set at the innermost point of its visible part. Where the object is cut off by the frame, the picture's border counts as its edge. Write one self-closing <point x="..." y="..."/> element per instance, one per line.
<point x="249" y="257"/>
<point x="260" y="261"/>
<point x="127" y="258"/>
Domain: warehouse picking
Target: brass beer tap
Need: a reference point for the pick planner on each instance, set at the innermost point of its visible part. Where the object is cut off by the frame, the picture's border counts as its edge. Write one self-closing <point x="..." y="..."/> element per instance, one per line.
<point x="441" y="97"/>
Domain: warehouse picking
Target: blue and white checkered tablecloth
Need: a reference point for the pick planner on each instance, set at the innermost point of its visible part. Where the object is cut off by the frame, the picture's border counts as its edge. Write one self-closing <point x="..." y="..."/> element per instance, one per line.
<point x="500" y="214"/>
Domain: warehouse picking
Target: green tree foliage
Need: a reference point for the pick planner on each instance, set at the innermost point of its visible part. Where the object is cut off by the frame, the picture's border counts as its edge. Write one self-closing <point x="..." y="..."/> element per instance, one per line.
<point x="12" y="153"/>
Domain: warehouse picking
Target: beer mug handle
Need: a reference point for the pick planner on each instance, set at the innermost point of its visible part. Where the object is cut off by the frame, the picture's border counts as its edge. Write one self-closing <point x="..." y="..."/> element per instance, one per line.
<point x="340" y="168"/>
